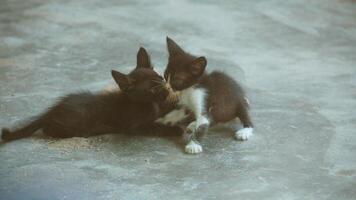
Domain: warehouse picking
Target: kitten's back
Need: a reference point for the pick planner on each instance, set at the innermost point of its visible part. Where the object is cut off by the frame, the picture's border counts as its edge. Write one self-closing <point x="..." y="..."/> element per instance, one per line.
<point x="225" y="96"/>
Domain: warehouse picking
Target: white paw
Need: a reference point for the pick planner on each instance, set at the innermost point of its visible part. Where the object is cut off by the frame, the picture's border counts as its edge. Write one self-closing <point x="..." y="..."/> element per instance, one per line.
<point x="193" y="148"/>
<point x="244" y="134"/>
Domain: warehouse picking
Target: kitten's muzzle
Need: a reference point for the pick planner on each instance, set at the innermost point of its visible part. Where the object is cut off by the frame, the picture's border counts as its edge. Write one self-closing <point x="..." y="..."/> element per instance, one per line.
<point x="174" y="84"/>
<point x="161" y="94"/>
<point x="173" y="96"/>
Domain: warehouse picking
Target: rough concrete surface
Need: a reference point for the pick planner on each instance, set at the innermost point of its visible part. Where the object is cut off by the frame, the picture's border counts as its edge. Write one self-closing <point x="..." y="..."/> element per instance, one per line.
<point x="297" y="60"/>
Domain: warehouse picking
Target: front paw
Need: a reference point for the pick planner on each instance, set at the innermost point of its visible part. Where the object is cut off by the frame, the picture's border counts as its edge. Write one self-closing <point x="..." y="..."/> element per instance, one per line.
<point x="193" y="147"/>
<point x="244" y="134"/>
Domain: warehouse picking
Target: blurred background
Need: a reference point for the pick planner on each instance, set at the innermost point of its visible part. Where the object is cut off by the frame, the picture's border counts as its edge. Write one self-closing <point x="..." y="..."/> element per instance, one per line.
<point x="296" y="59"/>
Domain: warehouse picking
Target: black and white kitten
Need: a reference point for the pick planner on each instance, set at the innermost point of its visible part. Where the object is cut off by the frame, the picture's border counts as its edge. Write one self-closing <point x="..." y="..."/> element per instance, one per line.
<point x="213" y="98"/>
<point x="87" y="114"/>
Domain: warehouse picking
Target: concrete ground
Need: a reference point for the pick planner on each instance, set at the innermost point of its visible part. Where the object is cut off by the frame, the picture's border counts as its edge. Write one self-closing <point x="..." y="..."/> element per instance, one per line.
<point x="297" y="60"/>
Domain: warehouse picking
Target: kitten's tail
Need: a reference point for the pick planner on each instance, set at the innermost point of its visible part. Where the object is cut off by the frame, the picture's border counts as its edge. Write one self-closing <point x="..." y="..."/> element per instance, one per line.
<point x="26" y="131"/>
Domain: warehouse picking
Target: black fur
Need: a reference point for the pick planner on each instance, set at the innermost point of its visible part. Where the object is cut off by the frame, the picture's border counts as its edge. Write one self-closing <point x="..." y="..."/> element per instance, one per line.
<point x="225" y="100"/>
<point x="139" y="103"/>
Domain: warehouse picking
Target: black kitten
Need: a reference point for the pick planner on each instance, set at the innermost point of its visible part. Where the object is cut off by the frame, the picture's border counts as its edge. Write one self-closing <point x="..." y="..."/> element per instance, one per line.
<point x="213" y="98"/>
<point x="85" y="114"/>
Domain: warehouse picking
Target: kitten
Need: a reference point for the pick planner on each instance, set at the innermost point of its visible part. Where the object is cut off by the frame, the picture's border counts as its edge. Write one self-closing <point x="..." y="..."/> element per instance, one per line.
<point x="139" y="103"/>
<point x="213" y="98"/>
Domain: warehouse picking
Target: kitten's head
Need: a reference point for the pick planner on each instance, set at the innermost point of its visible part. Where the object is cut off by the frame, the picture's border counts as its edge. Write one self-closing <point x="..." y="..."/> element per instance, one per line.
<point x="183" y="70"/>
<point x="143" y="84"/>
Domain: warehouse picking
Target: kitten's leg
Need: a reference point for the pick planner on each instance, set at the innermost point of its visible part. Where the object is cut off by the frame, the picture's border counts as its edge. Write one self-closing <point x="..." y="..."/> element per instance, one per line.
<point x="197" y="134"/>
<point x="193" y="137"/>
<point x="173" y="117"/>
<point x="199" y="127"/>
<point x="188" y="132"/>
<point x="179" y="117"/>
<point x="202" y="123"/>
<point x="195" y="131"/>
<point x="246" y="132"/>
<point x="196" y="104"/>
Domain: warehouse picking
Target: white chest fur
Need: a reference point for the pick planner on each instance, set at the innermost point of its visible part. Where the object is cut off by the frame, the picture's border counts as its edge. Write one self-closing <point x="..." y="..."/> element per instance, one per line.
<point x="193" y="99"/>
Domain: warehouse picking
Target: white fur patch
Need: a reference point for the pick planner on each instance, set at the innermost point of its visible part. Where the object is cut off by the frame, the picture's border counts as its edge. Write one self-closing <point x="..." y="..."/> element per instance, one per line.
<point x="173" y="117"/>
<point x="202" y="120"/>
<point x="244" y="134"/>
<point x="193" y="148"/>
<point x="194" y="99"/>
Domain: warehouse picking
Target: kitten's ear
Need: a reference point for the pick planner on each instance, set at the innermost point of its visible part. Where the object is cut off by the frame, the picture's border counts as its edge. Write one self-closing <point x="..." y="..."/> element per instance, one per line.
<point x="121" y="79"/>
<point x="173" y="48"/>
<point x="198" y="66"/>
<point x="143" y="59"/>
